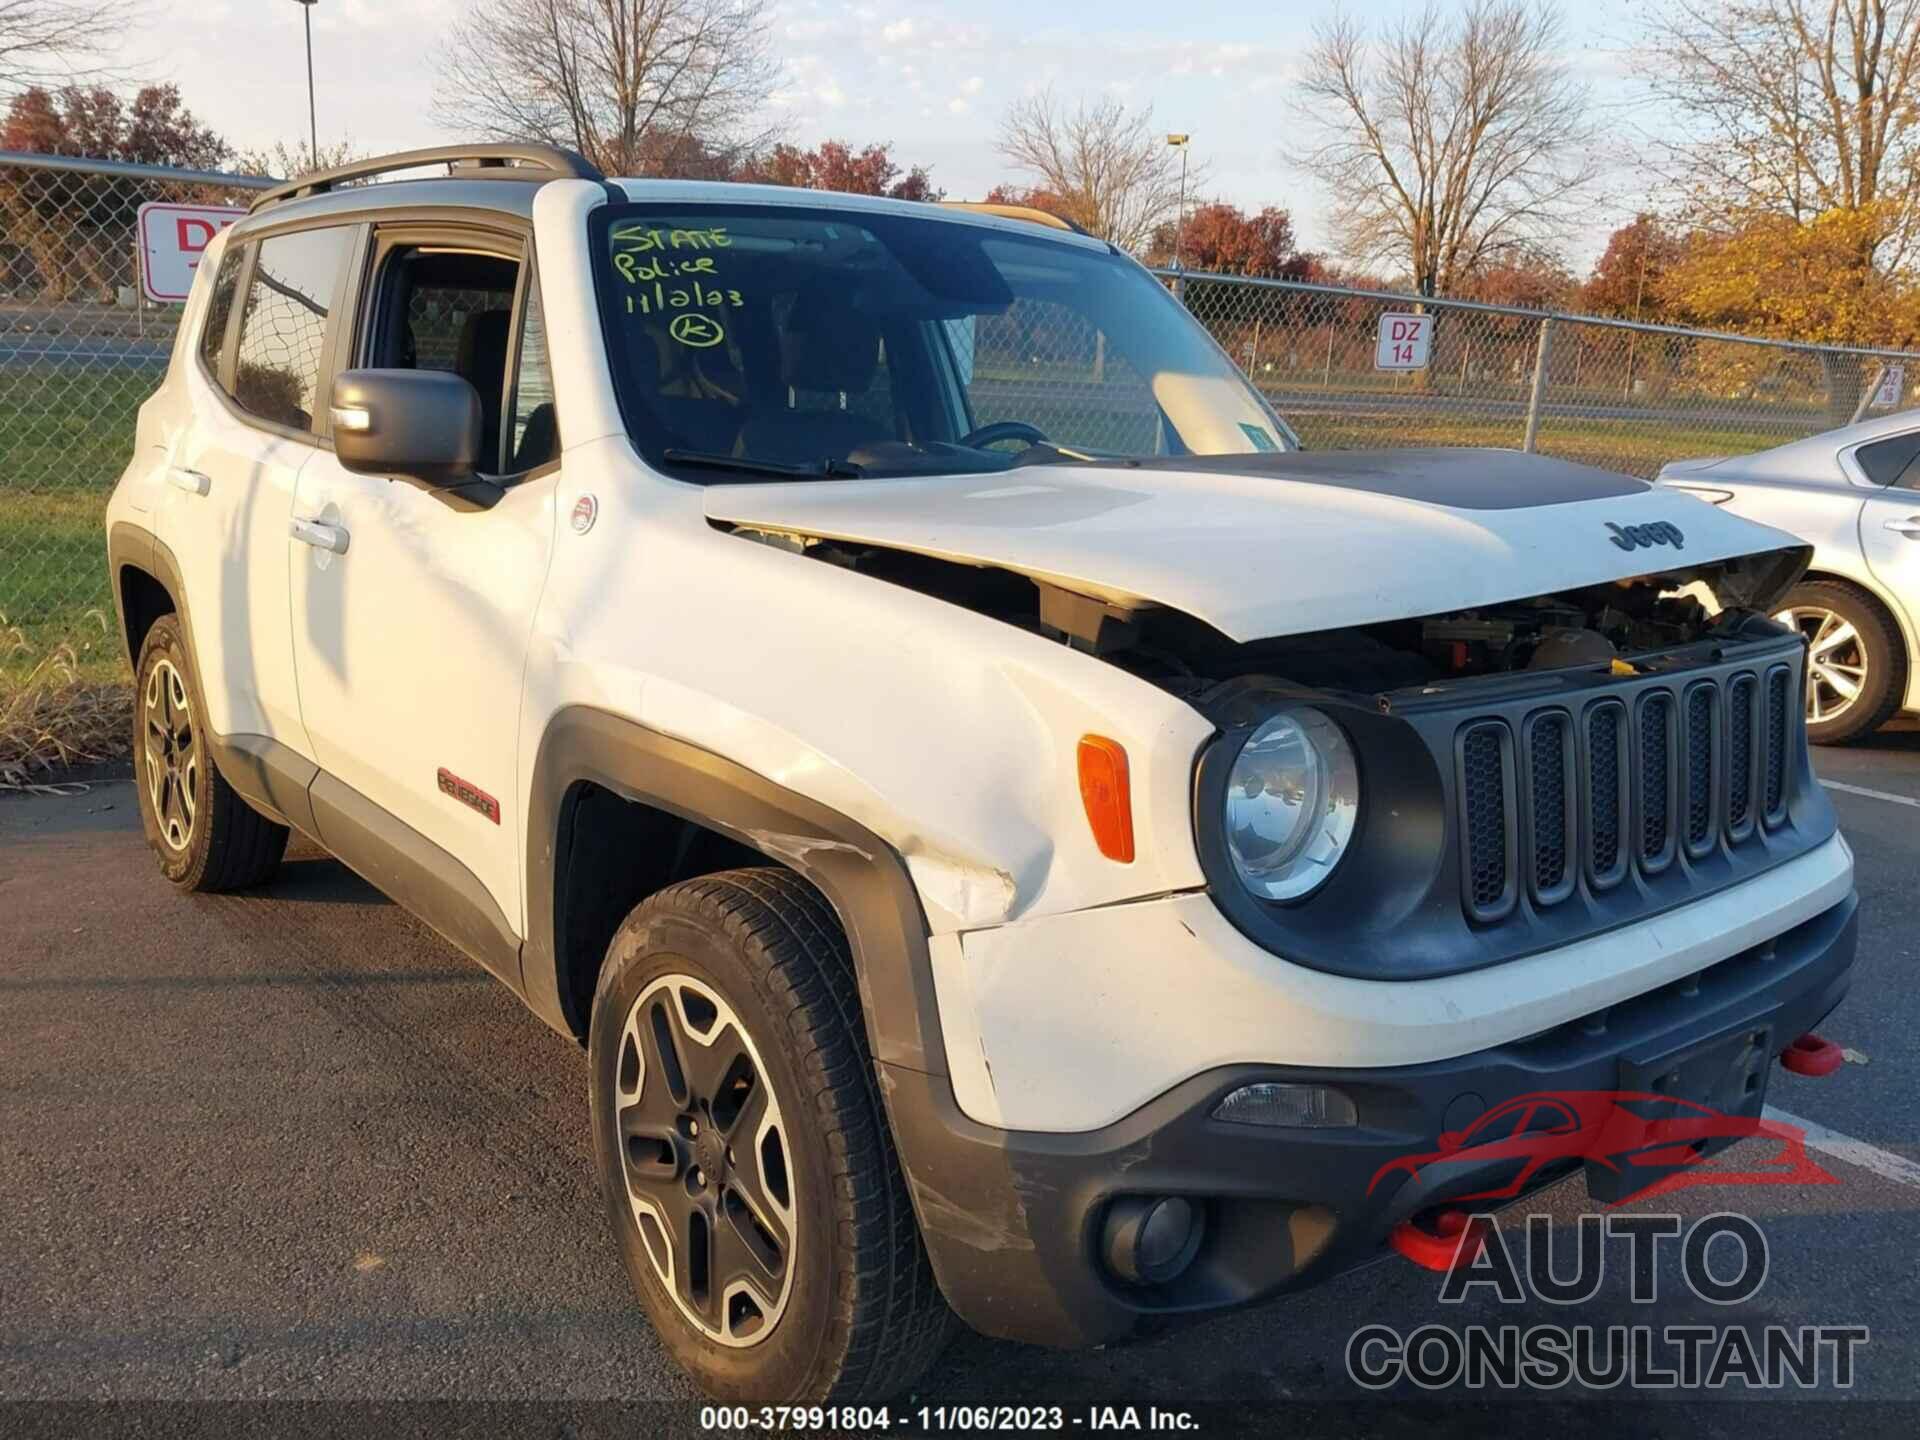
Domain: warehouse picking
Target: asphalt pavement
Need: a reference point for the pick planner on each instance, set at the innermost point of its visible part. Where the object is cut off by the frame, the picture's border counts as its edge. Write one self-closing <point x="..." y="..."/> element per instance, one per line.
<point x="290" y="1145"/>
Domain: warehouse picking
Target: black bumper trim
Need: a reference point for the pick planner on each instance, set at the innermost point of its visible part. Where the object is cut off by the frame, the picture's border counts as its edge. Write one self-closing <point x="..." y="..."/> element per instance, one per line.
<point x="1012" y="1218"/>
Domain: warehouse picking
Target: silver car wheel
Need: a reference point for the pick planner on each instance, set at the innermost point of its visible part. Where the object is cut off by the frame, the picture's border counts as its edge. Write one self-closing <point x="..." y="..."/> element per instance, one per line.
<point x="1836" y="661"/>
<point x="172" y="744"/>
<point x="704" y="1156"/>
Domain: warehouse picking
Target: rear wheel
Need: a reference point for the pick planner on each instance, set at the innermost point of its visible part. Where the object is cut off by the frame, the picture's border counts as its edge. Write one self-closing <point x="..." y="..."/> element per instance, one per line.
<point x="745" y="1162"/>
<point x="1856" y="665"/>
<point x="206" y="836"/>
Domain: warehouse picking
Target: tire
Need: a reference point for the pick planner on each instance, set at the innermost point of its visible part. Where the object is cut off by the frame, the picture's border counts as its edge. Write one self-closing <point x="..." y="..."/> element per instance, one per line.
<point x="1851" y="643"/>
<point x="749" y="975"/>
<point x="206" y="836"/>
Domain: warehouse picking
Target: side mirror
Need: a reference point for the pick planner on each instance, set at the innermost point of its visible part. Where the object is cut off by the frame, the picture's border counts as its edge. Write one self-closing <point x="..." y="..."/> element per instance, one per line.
<point x="422" y="425"/>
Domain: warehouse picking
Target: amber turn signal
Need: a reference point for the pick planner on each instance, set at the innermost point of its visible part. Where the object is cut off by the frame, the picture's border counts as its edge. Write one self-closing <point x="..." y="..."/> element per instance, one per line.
<point x="1103" y="790"/>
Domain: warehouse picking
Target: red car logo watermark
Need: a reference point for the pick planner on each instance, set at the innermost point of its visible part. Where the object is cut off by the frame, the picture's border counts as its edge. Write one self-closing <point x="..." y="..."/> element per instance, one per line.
<point x="1635" y="1145"/>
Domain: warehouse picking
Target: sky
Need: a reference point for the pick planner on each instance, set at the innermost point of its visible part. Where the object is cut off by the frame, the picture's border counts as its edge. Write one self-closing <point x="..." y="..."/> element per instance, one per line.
<point x="931" y="78"/>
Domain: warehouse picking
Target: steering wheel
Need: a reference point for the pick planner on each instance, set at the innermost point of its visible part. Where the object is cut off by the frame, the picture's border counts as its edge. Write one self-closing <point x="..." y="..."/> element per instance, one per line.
<point x="1004" y="430"/>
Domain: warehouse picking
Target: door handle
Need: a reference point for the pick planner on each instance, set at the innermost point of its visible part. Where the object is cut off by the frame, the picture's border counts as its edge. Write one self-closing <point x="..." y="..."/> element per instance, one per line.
<point x="191" y="481"/>
<point x="321" y="535"/>
<point x="1909" y="527"/>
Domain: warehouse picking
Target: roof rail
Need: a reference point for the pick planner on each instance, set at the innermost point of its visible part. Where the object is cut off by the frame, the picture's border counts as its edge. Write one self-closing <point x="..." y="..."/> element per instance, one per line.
<point x="471" y="162"/>
<point x="1029" y="213"/>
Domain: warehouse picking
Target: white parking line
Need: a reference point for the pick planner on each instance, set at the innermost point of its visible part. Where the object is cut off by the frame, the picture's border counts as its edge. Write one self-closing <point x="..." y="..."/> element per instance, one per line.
<point x="1886" y="795"/>
<point x="1884" y="1163"/>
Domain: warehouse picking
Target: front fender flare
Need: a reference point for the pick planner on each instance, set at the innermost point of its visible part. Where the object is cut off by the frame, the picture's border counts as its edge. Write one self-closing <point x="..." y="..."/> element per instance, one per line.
<point x="862" y="877"/>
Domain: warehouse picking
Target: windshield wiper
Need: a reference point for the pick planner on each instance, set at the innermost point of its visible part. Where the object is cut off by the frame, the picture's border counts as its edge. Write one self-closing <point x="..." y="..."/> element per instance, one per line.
<point x="827" y="469"/>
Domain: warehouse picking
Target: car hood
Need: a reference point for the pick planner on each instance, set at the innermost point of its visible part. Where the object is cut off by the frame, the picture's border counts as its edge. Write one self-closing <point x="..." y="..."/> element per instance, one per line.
<point x="1267" y="545"/>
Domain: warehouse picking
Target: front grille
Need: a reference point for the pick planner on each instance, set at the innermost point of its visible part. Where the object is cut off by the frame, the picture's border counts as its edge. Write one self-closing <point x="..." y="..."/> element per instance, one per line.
<point x="1486" y="785"/>
<point x="1703" y="708"/>
<point x="1740" y="697"/>
<point x="1779" y="694"/>
<point x="1607" y="769"/>
<point x="1615" y="785"/>
<point x="1654" y="756"/>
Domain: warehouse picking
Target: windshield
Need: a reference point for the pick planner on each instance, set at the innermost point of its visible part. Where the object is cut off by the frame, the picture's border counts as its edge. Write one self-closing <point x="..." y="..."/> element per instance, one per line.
<point x="765" y="341"/>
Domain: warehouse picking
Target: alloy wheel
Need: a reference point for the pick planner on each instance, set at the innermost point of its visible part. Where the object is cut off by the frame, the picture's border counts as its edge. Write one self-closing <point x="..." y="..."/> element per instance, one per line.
<point x="172" y="743"/>
<point x="1836" y="660"/>
<point x="703" y="1153"/>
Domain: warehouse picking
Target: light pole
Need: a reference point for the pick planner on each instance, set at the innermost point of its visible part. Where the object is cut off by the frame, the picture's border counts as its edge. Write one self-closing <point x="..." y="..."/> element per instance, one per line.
<point x="1179" y="142"/>
<point x="313" y="115"/>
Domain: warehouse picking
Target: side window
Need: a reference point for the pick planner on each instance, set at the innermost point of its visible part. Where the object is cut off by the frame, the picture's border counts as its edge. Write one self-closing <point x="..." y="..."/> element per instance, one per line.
<point x="1885" y="461"/>
<point x="452" y="310"/>
<point x="213" y="333"/>
<point x="535" y="437"/>
<point x="283" y="329"/>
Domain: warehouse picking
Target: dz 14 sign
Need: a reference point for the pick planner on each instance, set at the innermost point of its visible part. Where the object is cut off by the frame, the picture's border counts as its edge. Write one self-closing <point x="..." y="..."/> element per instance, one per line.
<point x="172" y="240"/>
<point x="1404" y="342"/>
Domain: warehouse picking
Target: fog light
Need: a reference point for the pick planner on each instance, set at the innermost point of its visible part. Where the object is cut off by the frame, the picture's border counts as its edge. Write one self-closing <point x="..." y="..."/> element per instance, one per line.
<point x="1151" y="1239"/>
<point x="1293" y="1107"/>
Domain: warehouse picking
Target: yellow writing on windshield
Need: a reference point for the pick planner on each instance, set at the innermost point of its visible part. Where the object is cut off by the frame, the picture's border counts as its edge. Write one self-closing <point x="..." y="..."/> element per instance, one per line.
<point x="668" y="275"/>
<point x="652" y="237"/>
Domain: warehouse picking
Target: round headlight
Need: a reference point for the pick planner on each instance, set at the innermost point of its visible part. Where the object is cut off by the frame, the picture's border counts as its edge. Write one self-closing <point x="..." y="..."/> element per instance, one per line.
<point x="1292" y="801"/>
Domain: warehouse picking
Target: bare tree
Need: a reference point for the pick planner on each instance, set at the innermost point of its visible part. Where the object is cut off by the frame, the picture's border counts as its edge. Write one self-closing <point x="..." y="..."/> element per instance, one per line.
<point x="48" y="42"/>
<point x="1794" y="107"/>
<point x="1449" y="143"/>
<point x="636" y="86"/>
<point x="1102" y="166"/>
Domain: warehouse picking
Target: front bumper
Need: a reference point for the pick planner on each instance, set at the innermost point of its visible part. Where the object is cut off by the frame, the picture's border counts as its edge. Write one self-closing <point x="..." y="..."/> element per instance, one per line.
<point x="1012" y="1219"/>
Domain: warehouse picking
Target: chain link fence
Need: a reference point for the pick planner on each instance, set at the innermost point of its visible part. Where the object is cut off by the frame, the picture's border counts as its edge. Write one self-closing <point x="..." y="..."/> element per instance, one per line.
<point x="1605" y="392"/>
<point x="80" y="350"/>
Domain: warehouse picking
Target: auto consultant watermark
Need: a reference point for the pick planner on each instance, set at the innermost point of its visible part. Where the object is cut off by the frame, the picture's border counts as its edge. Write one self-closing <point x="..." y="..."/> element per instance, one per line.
<point x="1633" y="1145"/>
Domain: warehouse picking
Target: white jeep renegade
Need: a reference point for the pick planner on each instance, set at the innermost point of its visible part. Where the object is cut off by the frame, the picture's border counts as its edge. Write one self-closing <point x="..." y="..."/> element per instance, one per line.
<point x="1016" y="838"/>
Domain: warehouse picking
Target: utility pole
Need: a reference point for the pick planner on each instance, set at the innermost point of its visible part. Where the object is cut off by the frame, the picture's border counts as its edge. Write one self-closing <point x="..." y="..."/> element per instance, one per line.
<point x="313" y="113"/>
<point x="1179" y="142"/>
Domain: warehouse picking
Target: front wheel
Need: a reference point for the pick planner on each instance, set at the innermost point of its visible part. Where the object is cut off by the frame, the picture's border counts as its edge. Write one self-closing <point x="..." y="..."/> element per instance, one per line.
<point x="745" y="1161"/>
<point x="1856" y="665"/>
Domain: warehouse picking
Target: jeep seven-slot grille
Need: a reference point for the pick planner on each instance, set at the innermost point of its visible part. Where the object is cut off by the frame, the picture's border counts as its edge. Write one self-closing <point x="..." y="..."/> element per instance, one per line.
<point x="1594" y="789"/>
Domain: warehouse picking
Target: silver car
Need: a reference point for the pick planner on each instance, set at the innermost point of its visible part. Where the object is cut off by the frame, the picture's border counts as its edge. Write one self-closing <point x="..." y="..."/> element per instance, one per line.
<point x="1854" y="495"/>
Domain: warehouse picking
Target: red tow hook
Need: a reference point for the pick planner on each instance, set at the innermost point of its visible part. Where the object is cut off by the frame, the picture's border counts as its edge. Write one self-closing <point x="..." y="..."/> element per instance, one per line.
<point x="1811" y="1055"/>
<point x="1440" y="1248"/>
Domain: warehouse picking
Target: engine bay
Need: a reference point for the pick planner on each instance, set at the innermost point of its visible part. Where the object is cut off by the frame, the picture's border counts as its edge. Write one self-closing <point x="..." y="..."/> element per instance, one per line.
<point x="1595" y="625"/>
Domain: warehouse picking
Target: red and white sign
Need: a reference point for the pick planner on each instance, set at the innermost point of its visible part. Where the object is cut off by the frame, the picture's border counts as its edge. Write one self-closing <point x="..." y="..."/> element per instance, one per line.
<point x="1404" y="342"/>
<point x="172" y="240"/>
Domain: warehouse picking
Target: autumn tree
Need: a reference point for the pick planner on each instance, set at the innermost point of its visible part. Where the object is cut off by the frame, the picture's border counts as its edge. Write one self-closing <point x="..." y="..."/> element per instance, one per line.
<point x="1793" y="280"/>
<point x="1224" y="240"/>
<point x="1794" y="108"/>
<point x="78" y="228"/>
<point x="627" y="83"/>
<point x="1629" y="279"/>
<point x="1102" y="163"/>
<point x="45" y="42"/>
<point x="1027" y="197"/>
<point x="836" y="165"/>
<point x="1449" y="143"/>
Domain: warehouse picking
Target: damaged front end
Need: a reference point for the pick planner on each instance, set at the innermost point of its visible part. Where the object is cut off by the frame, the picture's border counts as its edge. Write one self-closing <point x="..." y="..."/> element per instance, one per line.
<point x="1532" y="773"/>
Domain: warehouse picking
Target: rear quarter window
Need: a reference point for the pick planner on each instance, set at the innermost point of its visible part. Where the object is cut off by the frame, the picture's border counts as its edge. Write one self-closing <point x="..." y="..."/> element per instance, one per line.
<point x="1885" y="461"/>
